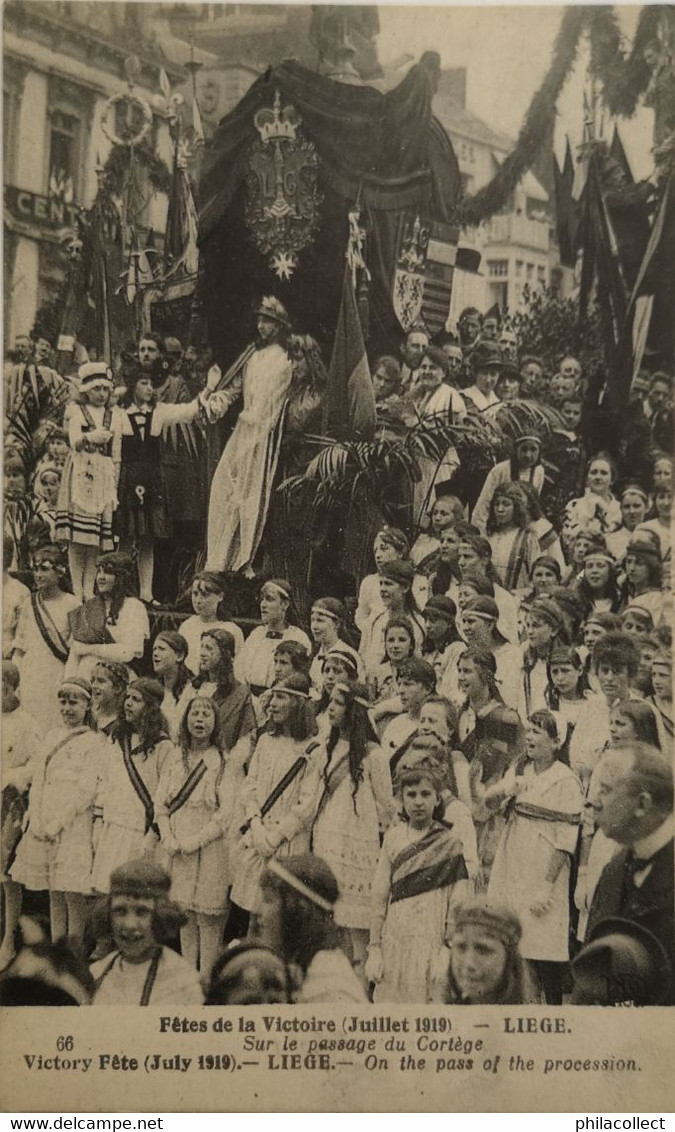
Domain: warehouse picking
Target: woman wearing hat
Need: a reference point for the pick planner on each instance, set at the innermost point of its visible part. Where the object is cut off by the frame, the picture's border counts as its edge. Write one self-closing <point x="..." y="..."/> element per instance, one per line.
<point x="486" y="363"/>
<point x="88" y="493"/>
<point x="390" y="543"/>
<point x="485" y="964"/>
<point x="111" y="625"/>
<point x="129" y="781"/>
<point x="396" y="581"/>
<point x="142" y="970"/>
<point x="242" y="484"/>
<point x="42" y="638"/>
<point x="56" y="851"/>
<point x="524" y="466"/>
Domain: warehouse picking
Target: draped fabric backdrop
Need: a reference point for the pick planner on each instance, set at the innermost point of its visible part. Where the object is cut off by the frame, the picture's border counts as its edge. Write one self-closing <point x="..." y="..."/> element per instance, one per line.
<point x="386" y="149"/>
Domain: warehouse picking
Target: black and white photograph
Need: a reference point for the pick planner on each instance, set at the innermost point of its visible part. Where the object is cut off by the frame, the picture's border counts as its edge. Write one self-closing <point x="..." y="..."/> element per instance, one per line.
<point x="339" y="359"/>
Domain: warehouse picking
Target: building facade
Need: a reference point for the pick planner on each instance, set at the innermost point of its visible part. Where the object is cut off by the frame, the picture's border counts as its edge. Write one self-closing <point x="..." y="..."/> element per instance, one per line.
<point x="517" y="246"/>
<point x="62" y="62"/>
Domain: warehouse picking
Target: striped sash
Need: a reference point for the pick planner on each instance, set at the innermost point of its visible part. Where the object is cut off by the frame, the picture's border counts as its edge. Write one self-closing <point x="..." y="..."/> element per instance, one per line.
<point x="138" y="783"/>
<point x="435" y="861"/>
<point x="189" y="786"/>
<point x="50" y="634"/>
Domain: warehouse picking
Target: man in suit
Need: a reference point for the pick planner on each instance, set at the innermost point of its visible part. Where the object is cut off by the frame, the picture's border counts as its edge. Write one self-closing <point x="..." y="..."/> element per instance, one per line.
<point x="634" y="806"/>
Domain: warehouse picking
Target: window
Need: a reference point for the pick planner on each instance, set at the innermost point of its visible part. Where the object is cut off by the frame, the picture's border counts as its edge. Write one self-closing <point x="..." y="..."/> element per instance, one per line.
<point x="498" y="268"/>
<point x="63" y="155"/>
<point x="541" y="275"/>
<point x="530" y="272"/>
<point x="519" y="269"/>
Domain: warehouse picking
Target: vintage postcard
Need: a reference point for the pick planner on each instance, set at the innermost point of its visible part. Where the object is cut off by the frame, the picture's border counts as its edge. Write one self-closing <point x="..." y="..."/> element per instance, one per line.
<point x="337" y="712"/>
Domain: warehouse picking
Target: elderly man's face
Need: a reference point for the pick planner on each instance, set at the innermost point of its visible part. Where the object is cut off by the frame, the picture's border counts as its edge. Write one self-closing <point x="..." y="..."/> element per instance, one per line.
<point x="454" y="355"/>
<point x="490" y="329"/>
<point x="618" y="804"/>
<point x="508" y="344"/>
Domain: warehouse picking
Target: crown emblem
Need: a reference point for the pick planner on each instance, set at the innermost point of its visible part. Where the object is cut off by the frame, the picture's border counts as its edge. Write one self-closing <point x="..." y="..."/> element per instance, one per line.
<point x="277" y="124"/>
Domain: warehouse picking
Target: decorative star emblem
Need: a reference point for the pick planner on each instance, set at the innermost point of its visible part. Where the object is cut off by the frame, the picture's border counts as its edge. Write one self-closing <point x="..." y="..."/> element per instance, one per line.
<point x="283" y="264"/>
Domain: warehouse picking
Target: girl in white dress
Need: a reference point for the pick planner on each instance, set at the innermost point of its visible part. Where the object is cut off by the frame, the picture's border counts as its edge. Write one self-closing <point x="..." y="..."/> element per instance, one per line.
<point x="274" y="824"/>
<point x="129" y="781"/>
<point x="111" y="625"/>
<point x="354" y="803"/>
<point x="88" y="492"/>
<point x="420" y="875"/>
<point x="42" y="639"/>
<point x="531" y="869"/>
<point x="193" y="808"/>
<point x="208" y="594"/>
<point x="169" y="660"/>
<point x="254" y="664"/>
<point x="56" y="851"/>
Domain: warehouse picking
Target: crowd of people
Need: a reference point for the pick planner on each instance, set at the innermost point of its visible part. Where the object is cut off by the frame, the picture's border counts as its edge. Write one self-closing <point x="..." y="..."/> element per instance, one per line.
<point x="453" y="784"/>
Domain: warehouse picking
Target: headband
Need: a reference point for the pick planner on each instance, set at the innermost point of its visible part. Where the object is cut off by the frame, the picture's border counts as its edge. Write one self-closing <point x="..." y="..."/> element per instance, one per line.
<point x="327" y="612"/>
<point x="115" y="668"/>
<point x="340" y="653"/>
<point x="529" y="436"/>
<point x="347" y="691"/>
<point x="289" y="691"/>
<point x="483" y="614"/>
<point x="280" y="589"/>
<point x="636" y="490"/>
<point x="303" y="889"/>
<point x="74" y="685"/>
<point x="602" y="554"/>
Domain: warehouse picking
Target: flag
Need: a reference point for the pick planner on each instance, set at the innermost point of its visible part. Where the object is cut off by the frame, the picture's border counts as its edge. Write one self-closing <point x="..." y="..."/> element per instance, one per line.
<point x="565" y="206"/>
<point x="656" y="278"/>
<point x="349" y="406"/>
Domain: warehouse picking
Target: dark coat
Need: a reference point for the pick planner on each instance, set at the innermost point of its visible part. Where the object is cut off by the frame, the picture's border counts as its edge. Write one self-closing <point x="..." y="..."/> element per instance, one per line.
<point x="652" y="905"/>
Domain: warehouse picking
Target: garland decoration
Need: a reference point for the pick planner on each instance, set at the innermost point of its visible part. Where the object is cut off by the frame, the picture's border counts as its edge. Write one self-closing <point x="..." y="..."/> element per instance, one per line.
<point x="624" y="77"/>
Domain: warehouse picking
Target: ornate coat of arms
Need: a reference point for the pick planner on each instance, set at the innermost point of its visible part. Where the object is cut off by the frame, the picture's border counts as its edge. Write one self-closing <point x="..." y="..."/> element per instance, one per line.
<point x="282" y="209"/>
<point x="425" y="265"/>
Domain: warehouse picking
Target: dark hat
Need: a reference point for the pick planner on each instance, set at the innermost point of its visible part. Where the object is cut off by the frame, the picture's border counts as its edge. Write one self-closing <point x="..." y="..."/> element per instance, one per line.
<point x="622" y="962"/>
<point x="485" y="354"/>
<point x="443" y="605"/>
<point x="399" y="571"/>
<point x="271" y="307"/>
<point x="140" y="878"/>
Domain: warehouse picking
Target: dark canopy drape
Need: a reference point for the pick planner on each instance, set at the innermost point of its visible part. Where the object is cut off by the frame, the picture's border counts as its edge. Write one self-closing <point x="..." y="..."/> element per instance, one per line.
<point x="386" y="149"/>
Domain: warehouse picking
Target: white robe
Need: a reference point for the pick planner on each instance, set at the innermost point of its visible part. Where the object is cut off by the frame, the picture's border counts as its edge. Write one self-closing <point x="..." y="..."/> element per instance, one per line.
<point x="242" y="484"/>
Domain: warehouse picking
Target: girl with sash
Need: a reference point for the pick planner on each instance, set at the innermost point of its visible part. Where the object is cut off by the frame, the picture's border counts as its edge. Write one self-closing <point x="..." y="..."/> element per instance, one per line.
<point x="194" y="808"/>
<point x="354" y="803"/>
<point x="276" y="801"/>
<point x="232" y="700"/>
<point x="341" y="666"/>
<point x="531" y="870"/>
<point x="112" y="625"/>
<point x="545" y="628"/>
<point x="88" y="493"/>
<point x="420" y="875"/>
<point x="130" y="777"/>
<point x="514" y="546"/>
<point x="169" y="660"/>
<point x="140" y="919"/>
<point x="42" y="639"/>
<point x="109" y="682"/>
<point x="56" y="851"/>
<point x="662" y="684"/>
<point x="490" y="737"/>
